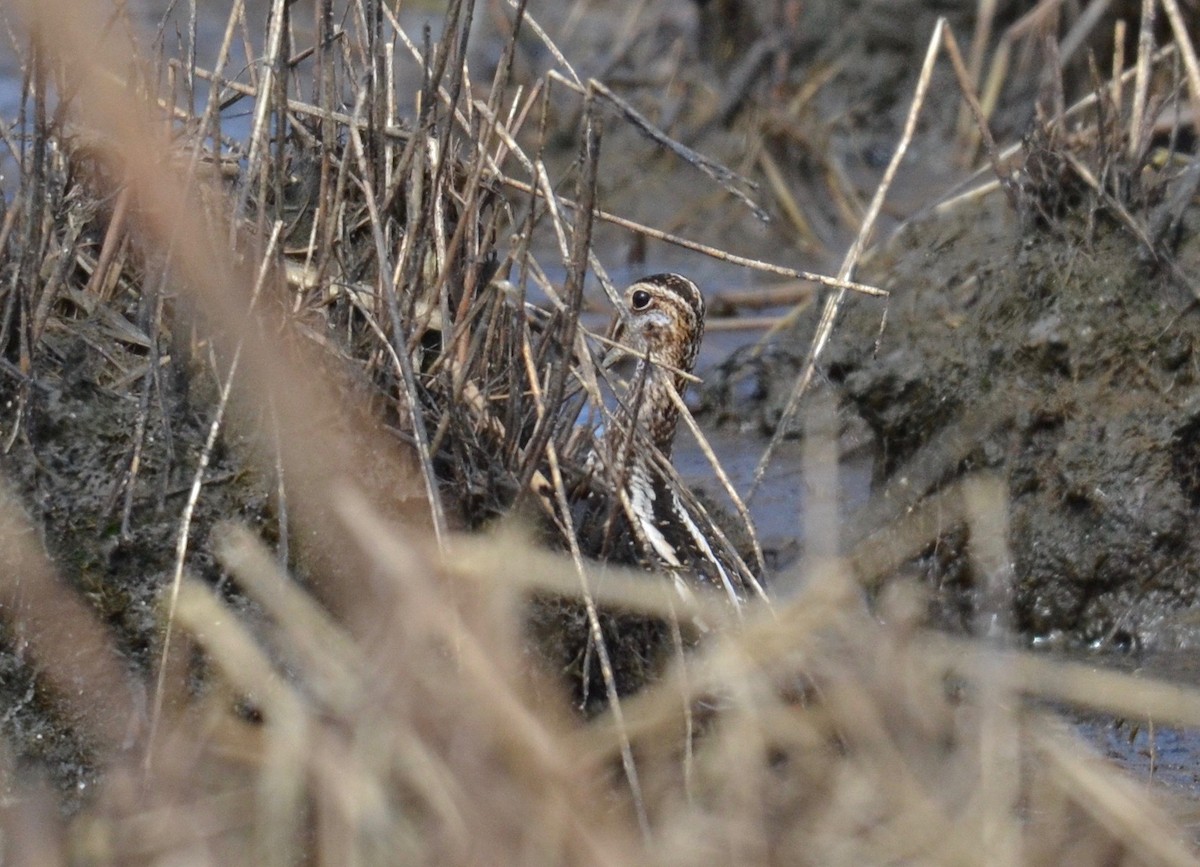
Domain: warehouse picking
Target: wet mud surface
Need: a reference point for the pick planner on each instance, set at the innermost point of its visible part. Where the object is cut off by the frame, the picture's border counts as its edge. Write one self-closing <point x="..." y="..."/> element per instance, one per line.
<point x="1057" y="358"/>
<point x="104" y="465"/>
<point x="1064" y="363"/>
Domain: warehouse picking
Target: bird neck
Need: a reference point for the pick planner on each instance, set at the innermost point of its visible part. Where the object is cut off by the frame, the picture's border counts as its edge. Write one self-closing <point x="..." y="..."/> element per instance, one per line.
<point x="654" y="410"/>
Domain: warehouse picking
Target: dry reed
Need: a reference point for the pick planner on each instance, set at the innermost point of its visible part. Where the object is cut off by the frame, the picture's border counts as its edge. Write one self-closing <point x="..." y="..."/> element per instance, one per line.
<point x="343" y="267"/>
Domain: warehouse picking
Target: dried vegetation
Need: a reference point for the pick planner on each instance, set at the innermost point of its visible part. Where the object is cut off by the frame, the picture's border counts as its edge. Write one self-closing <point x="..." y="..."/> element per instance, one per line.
<point x="332" y="348"/>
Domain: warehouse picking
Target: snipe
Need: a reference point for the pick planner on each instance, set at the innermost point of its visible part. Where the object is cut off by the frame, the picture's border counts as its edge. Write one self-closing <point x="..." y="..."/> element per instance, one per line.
<point x="662" y="325"/>
<point x="629" y="508"/>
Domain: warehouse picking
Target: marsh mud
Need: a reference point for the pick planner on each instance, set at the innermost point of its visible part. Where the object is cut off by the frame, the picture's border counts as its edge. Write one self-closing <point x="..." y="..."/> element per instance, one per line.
<point x="1062" y="360"/>
<point x="104" y="463"/>
<point x="1057" y="358"/>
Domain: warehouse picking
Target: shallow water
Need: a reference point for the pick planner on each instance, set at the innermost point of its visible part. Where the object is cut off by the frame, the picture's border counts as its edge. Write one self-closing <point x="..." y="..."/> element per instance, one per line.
<point x="1163" y="758"/>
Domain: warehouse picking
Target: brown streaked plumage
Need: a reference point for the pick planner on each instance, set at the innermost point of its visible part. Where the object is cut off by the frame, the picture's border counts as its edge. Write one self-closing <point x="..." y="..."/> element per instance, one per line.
<point x="662" y="323"/>
<point x="628" y="509"/>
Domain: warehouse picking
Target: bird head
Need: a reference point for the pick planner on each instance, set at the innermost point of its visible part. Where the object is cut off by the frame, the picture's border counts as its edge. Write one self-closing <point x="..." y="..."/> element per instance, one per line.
<point x="663" y="319"/>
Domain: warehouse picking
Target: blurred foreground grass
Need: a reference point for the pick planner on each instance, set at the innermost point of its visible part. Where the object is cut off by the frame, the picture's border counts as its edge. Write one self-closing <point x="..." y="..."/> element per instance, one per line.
<point x="345" y="266"/>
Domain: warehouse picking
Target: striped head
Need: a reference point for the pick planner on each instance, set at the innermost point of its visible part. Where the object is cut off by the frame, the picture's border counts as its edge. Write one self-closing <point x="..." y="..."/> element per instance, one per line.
<point x="664" y="319"/>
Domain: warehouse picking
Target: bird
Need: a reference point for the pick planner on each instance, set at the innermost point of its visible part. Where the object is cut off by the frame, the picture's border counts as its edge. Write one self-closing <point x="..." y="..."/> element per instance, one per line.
<point x="661" y="323"/>
<point x="627" y="507"/>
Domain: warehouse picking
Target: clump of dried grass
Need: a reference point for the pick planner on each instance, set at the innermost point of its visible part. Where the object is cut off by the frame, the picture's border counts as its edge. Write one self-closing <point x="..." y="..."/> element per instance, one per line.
<point x="406" y="725"/>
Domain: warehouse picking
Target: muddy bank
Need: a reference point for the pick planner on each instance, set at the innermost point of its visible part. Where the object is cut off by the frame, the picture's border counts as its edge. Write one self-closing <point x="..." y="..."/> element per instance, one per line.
<point x="104" y="462"/>
<point x="113" y="430"/>
<point x="1061" y="358"/>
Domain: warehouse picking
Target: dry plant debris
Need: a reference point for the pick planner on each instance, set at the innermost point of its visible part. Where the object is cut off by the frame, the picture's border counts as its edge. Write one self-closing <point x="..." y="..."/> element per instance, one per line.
<point x="343" y="267"/>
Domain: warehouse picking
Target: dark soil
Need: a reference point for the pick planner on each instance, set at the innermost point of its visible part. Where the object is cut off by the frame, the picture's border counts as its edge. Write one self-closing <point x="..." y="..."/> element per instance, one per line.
<point x="113" y="531"/>
<point x="1071" y="364"/>
<point x="1063" y="360"/>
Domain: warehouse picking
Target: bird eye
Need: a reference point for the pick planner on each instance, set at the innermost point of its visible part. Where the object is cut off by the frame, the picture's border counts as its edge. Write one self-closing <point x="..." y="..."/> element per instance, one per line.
<point x="641" y="299"/>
